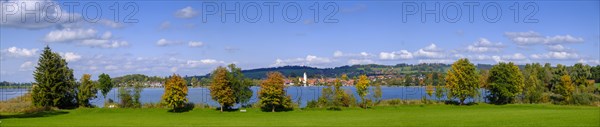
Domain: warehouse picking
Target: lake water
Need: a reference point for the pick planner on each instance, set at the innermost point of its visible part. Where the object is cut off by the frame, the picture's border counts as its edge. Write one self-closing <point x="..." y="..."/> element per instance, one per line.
<point x="202" y="95"/>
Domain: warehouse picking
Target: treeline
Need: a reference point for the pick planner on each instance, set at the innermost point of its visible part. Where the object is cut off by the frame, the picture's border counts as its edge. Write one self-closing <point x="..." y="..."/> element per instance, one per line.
<point x="507" y="83"/>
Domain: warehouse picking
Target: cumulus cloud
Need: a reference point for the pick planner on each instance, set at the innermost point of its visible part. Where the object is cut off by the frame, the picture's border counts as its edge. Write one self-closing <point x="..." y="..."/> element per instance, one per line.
<point x="70" y="56"/>
<point x="186" y="13"/>
<point x="561" y="55"/>
<point x="338" y="54"/>
<point x="195" y="44"/>
<point x="557" y="48"/>
<point x="27" y="66"/>
<point x="484" y="45"/>
<point x="360" y="61"/>
<point x="531" y="37"/>
<point x="85" y="37"/>
<point x="69" y="35"/>
<point x="196" y="63"/>
<point x="165" y="42"/>
<point x="308" y="60"/>
<point x="402" y="54"/>
<point x="431" y="51"/>
<point x="18" y="52"/>
<point x="50" y="14"/>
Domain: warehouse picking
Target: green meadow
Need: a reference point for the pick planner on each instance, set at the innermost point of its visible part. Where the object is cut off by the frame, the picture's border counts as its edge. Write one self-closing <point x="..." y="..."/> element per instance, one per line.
<point x="405" y="115"/>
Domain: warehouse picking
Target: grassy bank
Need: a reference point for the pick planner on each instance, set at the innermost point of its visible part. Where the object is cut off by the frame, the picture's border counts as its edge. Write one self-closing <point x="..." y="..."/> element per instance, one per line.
<point x="407" y="115"/>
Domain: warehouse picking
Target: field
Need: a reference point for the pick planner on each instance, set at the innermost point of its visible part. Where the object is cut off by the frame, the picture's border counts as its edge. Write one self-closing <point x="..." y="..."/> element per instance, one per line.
<point x="406" y="115"/>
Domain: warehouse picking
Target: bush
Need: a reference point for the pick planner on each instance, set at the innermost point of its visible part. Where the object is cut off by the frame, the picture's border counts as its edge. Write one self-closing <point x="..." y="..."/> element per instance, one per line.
<point x="312" y="104"/>
<point x="585" y="98"/>
<point x="557" y="99"/>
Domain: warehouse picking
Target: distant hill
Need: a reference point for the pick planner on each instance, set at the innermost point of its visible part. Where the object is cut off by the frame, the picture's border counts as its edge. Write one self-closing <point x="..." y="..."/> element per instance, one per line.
<point x="351" y="71"/>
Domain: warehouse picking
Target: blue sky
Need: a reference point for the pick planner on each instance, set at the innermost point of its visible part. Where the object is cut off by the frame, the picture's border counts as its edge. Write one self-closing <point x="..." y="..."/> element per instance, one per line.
<point x="171" y="37"/>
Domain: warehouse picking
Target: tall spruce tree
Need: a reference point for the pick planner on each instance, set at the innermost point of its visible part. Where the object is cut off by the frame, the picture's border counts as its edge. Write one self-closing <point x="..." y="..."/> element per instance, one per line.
<point x="54" y="82"/>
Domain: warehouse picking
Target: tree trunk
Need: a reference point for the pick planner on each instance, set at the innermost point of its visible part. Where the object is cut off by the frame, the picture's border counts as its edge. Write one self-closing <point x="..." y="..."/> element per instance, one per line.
<point x="273" y="108"/>
<point x="221" y="107"/>
<point x="462" y="101"/>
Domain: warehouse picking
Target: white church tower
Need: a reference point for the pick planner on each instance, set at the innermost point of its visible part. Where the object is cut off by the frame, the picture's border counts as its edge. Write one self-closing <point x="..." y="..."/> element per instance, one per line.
<point x="304" y="81"/>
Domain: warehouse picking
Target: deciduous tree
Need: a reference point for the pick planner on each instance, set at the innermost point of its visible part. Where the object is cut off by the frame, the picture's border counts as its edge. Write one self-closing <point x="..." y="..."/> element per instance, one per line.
<point x="105" y="84"/>
<point x="176" y="91"/>
<point x="362" y="89"/>
<point x="86" y="91"/>
<point x="462" y="80"/>
<point x="505" y="83"/>
<point x="272" y="93"/>
<point x="220" y="91"/>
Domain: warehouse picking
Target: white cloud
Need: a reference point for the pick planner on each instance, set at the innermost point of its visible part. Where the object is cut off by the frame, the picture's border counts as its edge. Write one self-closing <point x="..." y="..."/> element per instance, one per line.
<point x="556" y="55"/>
<point x="186" y="13"/>
<point x="165" y="42"/>
<point x="27" y="66"/>
<point x="50" y="13"/>
<point x="195" y="44"/>
<point x="70" y="56"/>
<point x="69" y="35"/>
<point x="531" y="37"/>
<point x="431" y="51"/>
<point x="360" y="61"/>
<point x="338" y="53"/>
<point x="484" y="45"/>
<point x="446" y="61"/>
<point x="85" y="37"/>
<point x="310" y="60"/>
<point x="110" y="23"/>
<point x="402" y="54"/>
<point x="196" y="63"/>
<point x="99" y="43"/>
<point x="18" y="52"/>
<point x="589" y="61"/>
<point x="558" y="48"/>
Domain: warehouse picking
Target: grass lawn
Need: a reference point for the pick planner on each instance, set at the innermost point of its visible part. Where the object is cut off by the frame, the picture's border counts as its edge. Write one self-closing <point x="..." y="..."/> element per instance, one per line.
<point x="408" y="115"/>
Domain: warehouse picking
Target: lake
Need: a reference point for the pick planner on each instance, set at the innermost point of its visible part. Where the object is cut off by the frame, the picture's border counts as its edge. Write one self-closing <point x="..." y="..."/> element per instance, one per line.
<point x="202" y="95"/>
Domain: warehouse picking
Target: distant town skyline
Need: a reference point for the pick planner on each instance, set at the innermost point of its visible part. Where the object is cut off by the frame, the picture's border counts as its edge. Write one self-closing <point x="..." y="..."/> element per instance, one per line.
<point x="193" y="37"/>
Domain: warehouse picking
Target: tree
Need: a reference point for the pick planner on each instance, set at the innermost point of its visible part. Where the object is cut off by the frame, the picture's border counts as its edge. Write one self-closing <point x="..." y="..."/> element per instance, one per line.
<point x="240" y="85"/>
<point x="547" y="77"/>
<point x="565" y="87"/>
<point x="54" y="82"/>
<point x="377" y="93"/>
<point x="272" y="94"/>
<point x="344" y="77"/>
<point x="580" y="73"/>
<point x="220" y="91"/>
<point x="87" y="91"/>
<point x="533" y="85"/>
<point x="439" y="92"/>
<point x="361" y="89"/>
<point x="557" y="74"/>
<point x="176" y="91"/>
<point x="462" y="80"/>
<point x="596" y="73"/>
<point x="505" y="83"/>
<point x="105" y="84"/>
<point x="194" y="81"/>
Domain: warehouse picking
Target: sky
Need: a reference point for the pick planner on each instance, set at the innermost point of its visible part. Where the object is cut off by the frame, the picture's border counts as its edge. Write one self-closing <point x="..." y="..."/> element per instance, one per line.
<point x="159" y="38"/>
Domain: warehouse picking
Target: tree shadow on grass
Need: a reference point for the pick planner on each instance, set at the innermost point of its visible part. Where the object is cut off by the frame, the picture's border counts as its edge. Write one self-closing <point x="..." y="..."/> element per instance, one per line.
<point x="35" y="114"/>
<point x="186" y="108"/>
